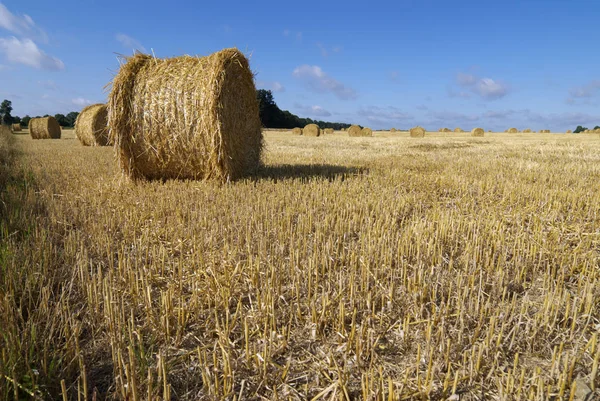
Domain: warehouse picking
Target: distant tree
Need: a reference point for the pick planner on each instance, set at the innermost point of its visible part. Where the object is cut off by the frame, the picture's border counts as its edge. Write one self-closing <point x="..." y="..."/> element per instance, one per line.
<point x="597" y="127"/>
<point x="72" y="117"/>
<point x="5" y="110"/>
<point x="16" y="120"/>
<point x="25" y="121"/>
<point x="579" y="129"/>
<point x="62" y="120"/>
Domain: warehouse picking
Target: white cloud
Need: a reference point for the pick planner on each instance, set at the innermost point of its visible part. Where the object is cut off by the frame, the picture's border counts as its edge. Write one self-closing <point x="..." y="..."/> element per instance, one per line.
<point x="129" y="42"/>
<point x="318" y="81"/>
<point x="81" y="102"/>
<point x="384" y="115"/>
<point x="487" y="88"/>
<point x="26" y="52"/>
<point x="584" y="91"/>
<point x="314" y="111"/>
<point x="273" y="86"/>
<point x="326" y="52"/>
<point x="20" y="25"/>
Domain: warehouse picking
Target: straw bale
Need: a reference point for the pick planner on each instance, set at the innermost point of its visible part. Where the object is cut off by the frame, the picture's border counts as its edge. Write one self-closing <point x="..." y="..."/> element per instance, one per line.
<point x="311" y="130"/>
<point x="477" y="132"/>
<point x="91" y="125"/>
<point x="458" y="129"/>
<point x="328" y="131"/>
<point x="512" y="130"/>
<point x="16" y="128"/>
<point x="297" y="131"/>
<point x="417" y="132"/>
<point x="354" y="130"/>
<point x="366" y="132"/>
<point x="44" y="128"/>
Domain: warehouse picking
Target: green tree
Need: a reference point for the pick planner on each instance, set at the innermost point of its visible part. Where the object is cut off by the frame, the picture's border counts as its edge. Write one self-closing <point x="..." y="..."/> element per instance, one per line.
<point x="5" y="110"/>
<point x="72" y="117"/>
<point x="597" y="127"/>
<point x="62" y="120"/>
<point x="25" y="121"/>
<point x="579" y="129"/>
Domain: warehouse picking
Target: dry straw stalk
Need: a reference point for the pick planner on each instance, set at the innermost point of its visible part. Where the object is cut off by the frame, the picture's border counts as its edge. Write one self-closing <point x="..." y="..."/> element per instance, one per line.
<point x="477" y="132"/>
<point x="91" y="125"/>
<point x="44" y="128"/>
<point x="417" y="132"/>
<point x="311" y="130"/>
<point x="186" y="117"/>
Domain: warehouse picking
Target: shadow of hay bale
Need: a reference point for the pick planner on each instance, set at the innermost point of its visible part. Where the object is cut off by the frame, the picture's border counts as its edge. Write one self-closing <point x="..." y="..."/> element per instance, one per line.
<point x="306" y="172"/>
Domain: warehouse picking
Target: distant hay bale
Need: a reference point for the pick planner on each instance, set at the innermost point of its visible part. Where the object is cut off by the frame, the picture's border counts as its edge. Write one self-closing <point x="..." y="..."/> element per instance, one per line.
<point x="16" y="128"/>
<point x="366" y="132"/>
<point x="297" y="131"/>
<point x="569" y="131"/>
<point x="311" y="130"/>
<point x="477" y="132"/>
<point x="91" y="125"/>
<point x="354" y="130"/>
<point x="586" y="131"/>
<point x="44" y="128"/>
<point x="489" y="130"/>
<point x="417" y="132"/>
<point x="512" y="130"/>
<point x="393" y="130"/>
<point x="458" y="129"/>
<point x="186" y="117"/>
<point x="328" y="131"/>
<point x="527" y="130"/>
<point x="545" y="131"/>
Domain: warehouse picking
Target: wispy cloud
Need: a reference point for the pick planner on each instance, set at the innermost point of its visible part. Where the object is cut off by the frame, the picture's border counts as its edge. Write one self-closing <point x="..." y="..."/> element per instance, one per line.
<point x="129" y="42"/>
<point x="48" y="84"/>
<point x="582" y="94"/>
<point x="318" y="81"/>
<point x="26" y="52"/>
<point x="81" y="102"/>
<point x="22" y="25"/>
<point x="273" y="86"/>
<point x="312" y="111"/>
<point x="325" y="51"/>
<point x="486" y="88"/>
<point x="384" y="115"/>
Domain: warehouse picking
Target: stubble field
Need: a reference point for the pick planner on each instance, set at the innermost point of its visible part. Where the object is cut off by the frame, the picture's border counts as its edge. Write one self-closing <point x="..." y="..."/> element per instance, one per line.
<point x="379" y="268"/>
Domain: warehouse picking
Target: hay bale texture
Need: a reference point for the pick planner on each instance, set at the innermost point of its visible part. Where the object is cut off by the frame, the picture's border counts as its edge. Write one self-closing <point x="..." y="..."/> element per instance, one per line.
<point x="16" y="128"/>
<point x="512" y="130"/>
<point x="417" y="132"/>
<point x="354" y="130"/>
<point x="328" y="131"/>
<point x="527" y="130"/>
<point x="91" y="125"/>
<point x="44" y="128"/>
<point x="458" y="129"/>
<point x="297" y="131"/>
<point x="477" y="132"/>
<point x="186" y="117"/>
<point x="366" y="132"/>
<point x="311" y="130"/>
<point x="393" y="130"/>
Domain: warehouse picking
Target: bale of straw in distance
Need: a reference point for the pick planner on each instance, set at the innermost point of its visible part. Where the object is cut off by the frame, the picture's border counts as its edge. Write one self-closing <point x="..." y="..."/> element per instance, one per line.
<point x="328" y="131"/>
<point x="458" y="129"/>
<point x="354" y="130"/>
<point x="186" y="117"/>
<point x="512" y="130"/>
<point x="527" y="130"/>
<point x="393" y="130"/>
<point x="366" y="132"/>
<point x="417" y="132"/>
<point x="569" y="131"/>
<point x="91" y="125"/>
<point x="16" y="128"/>
<point x="44" y="128"/>
<point x="297" y="131"/>
<point x="311" y="130"/>
<point x="477" y="132"/>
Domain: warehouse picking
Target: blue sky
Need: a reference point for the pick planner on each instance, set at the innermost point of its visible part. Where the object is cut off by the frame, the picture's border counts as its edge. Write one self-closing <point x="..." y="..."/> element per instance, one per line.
<point x="494" y="64"/>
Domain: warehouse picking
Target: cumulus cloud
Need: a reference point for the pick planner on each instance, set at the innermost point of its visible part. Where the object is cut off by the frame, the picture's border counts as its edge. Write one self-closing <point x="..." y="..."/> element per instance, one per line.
<point x="316" y="111"/>
<point x="273" y="86"/>
<point x="384" y="115"/>
<point x="26" y="52"/>
<point x="487" y="88"/>
<point x="20" y="25"/>
<point x="81" y="102"/>
<point x="129" y="42"/>
<point x="318" y="81"/>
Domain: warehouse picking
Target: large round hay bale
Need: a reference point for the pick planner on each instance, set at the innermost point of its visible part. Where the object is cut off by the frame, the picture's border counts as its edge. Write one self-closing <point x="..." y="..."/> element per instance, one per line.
<point x="458" y="129"/>
<point x="44" y="128"/>
<point x="417" y="132"/>
<point x="16" y="128"/>
<point x="91" y="125"/>
<point x="297" y="131"/>
<point x="328" y="131"/>
<point x="512" y="130"/>
<point x="527" y="130"/>
<point x="186" y="117"/>
<point x="393" y="130"/>
<point x="354" y="130"/>
<point x="477" y="132"/>
<point x="311" y="130"/>
<point x="366" y="131"/>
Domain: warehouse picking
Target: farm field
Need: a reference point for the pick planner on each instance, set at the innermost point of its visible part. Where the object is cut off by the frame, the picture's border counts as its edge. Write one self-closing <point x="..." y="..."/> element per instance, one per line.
<point x="376" y="268"/>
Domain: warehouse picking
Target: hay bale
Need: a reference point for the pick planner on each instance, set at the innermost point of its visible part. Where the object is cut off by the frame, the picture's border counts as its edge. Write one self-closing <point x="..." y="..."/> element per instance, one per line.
<point x="297" y="131"/>
<point x="91" y="125"/>
<point x="527" y="130"/>
<point x="477" y="132"/>
<point x="393" y="130"/>
<point x="354" y="130"/>
<point x="311" y="130"/>
<point x="417" y="132"/>
<point x="512" y="130"/>
<point x="328" y="131"/>
<point x="44" y="128"/>
<point x="458" y="129"/>
<point x="569" y="131"/>
<point x="16" y="128"/>
<point x="186" y="117"/>
<point x="366" y="132"/>
<point x="545" y="131"/>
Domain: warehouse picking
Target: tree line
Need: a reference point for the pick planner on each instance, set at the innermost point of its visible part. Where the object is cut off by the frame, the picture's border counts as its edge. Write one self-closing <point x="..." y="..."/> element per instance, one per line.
<point x="6" y="117"/>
